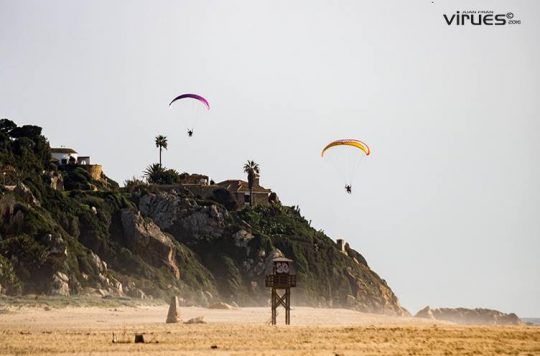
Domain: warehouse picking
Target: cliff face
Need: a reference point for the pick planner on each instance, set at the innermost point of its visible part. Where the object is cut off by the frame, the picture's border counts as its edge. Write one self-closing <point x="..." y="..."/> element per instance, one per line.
<point x="236" y="246"/>
<point x="94" y="238"/>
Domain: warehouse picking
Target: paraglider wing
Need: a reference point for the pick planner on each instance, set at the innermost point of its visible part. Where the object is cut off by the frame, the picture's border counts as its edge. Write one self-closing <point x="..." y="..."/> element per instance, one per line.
<point x="192" y="96"/>
<point x="348" y="142"/>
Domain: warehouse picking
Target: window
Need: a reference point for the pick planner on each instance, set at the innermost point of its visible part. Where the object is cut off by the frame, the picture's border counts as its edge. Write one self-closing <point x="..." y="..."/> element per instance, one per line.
<point x="246" y="198"/>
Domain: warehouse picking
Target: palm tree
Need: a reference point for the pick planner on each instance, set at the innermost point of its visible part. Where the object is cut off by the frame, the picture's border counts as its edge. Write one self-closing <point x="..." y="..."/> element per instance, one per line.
<point x="252" y="170"/>
<point x="154" y="173"/>
<point x="161" y="143"/>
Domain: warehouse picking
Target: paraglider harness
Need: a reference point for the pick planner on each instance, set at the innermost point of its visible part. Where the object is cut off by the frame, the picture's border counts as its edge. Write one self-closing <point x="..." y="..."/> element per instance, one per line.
<point x="348" y="189"/>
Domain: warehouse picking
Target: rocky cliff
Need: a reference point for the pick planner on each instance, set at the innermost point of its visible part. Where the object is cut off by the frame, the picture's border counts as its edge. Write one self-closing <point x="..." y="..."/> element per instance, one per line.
<point x="469" y="316"/>
<point x="97" y="239"/>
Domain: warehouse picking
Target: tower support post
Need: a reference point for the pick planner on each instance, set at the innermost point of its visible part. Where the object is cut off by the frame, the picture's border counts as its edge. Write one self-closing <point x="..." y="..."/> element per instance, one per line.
<point x="283" y="300"/>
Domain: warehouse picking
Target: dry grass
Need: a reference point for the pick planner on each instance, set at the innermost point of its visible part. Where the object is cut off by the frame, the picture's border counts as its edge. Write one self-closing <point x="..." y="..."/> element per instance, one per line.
<point x="244" y="332"/>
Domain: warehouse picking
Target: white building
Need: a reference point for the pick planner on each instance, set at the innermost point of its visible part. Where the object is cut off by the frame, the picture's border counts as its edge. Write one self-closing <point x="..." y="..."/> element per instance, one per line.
<point x="64" y="154"/>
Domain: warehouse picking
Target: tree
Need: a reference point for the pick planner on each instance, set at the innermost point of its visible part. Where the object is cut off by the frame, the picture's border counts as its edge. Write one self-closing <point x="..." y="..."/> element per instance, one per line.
<point x="6" y="126"/>
<point x="30" y="131"/>
<point x="161" y="143"/>
<point x="154" y="173"/>
<point x="252" y="170"/>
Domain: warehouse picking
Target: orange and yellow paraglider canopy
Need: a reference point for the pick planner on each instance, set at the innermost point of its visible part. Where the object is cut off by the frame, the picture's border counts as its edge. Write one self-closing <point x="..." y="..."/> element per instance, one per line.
<point x="348" y="142"/>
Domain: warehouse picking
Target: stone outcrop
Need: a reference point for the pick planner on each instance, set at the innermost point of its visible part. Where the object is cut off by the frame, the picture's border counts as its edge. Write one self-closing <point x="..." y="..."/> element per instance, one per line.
<point x="57" y="248"/>
<point x="11" y="218"/>
<point x="184" y="217"/>
<point x="100" y="265"/>
<point x="55" y="180"/>
<point x="148" y="241"/>
<point x="242" y="238"/>
<point x="469" y="316"/>
<point x="344" y="248"/>
<point x="60" y="284"/>
<point x="26" y="194"/>
<point x="371" y="294"/>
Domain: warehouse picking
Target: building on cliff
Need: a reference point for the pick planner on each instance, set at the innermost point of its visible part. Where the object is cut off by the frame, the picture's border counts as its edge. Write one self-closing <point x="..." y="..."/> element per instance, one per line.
<point x="194" y="179"/>
<point x="240" y="189"/>
<point x="65" y="155"/>
<point x="201" y="186"/>
<point x="62" y="155"/>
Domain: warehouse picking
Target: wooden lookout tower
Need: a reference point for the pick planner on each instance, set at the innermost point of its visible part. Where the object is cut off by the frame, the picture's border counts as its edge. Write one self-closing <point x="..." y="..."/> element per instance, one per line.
<point x="280" y="275"/>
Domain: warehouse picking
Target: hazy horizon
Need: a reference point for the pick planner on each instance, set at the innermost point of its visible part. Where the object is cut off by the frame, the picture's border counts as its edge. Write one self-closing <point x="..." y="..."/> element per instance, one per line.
<point x="446" y="207"/>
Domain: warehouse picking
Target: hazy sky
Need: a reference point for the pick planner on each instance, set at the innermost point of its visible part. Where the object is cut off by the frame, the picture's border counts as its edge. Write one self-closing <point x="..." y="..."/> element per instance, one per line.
<point x="446" y="208"/>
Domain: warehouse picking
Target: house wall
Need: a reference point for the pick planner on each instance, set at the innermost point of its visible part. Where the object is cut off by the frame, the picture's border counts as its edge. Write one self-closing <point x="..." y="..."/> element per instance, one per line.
<point x="258" y="198"/>
<point x="83" y="160"/>
<point x="61" y="156"/>
<point x="204" y="191"/>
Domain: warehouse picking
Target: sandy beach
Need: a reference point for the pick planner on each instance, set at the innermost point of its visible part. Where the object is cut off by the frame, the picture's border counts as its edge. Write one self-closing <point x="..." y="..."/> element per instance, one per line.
<point x="246" y="331"/>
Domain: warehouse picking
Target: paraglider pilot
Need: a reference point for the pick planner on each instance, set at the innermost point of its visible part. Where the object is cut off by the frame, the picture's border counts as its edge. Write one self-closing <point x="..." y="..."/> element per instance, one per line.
<point x="190" y="132"/>
<point x="348" y="188"/>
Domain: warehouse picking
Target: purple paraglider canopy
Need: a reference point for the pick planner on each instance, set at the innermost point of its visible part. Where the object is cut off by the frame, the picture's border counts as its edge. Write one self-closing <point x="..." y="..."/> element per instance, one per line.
<point x="192" y="96"/>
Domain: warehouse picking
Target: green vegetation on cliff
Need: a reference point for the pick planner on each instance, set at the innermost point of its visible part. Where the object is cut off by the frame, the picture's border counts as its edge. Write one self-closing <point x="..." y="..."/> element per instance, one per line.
<point x="90" y="237"/>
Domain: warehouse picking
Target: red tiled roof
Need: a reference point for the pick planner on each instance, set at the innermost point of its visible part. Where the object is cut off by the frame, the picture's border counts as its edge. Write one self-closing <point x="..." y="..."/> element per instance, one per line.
<point x="240" y="186"/>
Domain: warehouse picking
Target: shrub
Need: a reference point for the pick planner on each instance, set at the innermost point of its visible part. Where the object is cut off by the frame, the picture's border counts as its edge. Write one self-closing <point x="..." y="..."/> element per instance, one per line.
<point x="8" y="279"/>
<point x="157" y="174"/>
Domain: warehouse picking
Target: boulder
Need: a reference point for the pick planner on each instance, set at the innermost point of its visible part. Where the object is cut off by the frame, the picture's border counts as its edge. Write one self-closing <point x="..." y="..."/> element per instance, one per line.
<point x="116" y="288"/>
<point x="242" y="238"/>
<point x="100" y="265"/>
<point x="196" y="320"/>
<point x="60" y="284"/>
<point x="148" y="241"/>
